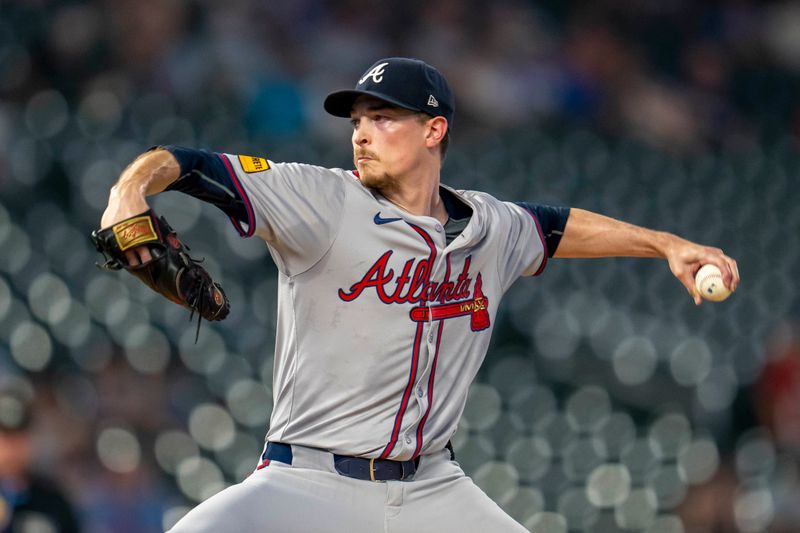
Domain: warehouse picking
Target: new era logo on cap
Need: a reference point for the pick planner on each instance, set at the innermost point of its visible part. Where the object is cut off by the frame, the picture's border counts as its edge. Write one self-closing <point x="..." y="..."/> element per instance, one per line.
<point x="404" y="82"/>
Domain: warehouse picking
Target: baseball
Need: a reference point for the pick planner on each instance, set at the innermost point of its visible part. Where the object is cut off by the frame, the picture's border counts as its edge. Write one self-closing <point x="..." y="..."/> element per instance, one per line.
<point x="708" y="282"/>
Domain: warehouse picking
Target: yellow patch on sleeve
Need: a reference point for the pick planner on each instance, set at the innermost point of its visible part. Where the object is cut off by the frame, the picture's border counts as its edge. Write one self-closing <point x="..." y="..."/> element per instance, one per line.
<point x="253" y="164"/>
<point x="134" y="231"/>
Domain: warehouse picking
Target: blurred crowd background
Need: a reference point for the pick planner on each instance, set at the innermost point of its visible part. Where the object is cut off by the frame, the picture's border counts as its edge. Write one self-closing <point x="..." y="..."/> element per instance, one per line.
<point x="608" y="402"/>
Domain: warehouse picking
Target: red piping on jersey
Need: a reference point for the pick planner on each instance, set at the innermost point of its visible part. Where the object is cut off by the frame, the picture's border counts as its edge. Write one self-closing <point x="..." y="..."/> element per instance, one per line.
<point x="264" y="463"/>
<point x="433" y="369"/>
<point x="544" y="242"/>
<point x="251" y="219"/>
<point x="398" y="419"/>
<point x="430" y="390"/>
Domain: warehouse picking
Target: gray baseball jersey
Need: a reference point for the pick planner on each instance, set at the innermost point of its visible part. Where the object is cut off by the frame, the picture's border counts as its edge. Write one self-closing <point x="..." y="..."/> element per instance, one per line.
<point x="384" y="319"/>
<point x="382" y="326"/>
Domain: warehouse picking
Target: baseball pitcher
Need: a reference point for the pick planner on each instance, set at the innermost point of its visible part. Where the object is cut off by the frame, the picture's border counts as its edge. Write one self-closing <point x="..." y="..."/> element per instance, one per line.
<point x="389" y="285"/>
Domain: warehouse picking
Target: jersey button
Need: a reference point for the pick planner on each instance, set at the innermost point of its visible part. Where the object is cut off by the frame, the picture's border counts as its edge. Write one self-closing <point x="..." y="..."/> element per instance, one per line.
<point x="408" y="439"/>
<point x="430" y="337"/>
<point x="438" y="227"/>
<point x="420" y="392"/>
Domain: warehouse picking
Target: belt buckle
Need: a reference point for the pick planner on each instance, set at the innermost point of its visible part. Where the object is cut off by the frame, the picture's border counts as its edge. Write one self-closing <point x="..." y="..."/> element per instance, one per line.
<point x="372" y="469"/>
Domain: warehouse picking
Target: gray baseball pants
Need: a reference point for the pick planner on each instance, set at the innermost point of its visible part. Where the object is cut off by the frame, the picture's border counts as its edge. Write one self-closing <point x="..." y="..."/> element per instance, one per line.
<point x="309" y="496"/>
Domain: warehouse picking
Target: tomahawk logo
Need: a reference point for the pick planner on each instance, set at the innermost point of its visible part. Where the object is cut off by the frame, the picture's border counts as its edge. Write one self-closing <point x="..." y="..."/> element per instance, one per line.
<point x="435" y="300"/>
<point x="376" y="73"/>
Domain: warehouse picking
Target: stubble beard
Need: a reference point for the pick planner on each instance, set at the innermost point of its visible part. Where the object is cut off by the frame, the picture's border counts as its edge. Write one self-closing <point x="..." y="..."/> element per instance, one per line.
<point x="378" y="180"/>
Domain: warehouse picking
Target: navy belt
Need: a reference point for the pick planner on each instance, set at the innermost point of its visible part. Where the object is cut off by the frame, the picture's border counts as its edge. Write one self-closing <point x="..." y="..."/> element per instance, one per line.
<point x="355" y="467"/>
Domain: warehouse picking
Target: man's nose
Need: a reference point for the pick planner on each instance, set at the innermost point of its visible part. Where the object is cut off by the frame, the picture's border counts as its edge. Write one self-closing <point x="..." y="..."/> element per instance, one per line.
<point x="360" y="135"/>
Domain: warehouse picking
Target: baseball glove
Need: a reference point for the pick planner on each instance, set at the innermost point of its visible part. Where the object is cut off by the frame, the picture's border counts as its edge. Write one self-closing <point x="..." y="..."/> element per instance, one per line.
<point x="171" y="272"/>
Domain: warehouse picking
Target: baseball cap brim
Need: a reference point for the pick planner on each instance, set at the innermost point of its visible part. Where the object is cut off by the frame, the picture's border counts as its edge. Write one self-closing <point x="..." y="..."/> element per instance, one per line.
<point x="340" y="103"/>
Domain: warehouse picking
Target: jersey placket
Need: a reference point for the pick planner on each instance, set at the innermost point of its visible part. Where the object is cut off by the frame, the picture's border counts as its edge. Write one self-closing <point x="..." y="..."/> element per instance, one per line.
<point x="402" y="433"/>
<point x="440" y="271"/>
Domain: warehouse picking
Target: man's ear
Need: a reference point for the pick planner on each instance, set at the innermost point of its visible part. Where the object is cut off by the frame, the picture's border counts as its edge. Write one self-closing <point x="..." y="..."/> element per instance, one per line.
<point x="437" y="129"/>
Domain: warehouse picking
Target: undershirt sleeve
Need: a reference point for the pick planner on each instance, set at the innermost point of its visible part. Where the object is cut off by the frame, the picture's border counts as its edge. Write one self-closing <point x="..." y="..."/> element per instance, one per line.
<point x="552" y="220"/>
<point x="204" y="176"/>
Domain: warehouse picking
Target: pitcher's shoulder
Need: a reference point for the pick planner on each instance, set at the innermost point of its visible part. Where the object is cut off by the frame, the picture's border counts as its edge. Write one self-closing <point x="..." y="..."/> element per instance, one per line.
<point x="478" y="200"/>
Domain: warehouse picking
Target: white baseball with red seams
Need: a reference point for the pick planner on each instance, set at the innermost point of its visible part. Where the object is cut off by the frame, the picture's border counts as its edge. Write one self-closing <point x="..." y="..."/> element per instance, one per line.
<point x="709" y="284"/>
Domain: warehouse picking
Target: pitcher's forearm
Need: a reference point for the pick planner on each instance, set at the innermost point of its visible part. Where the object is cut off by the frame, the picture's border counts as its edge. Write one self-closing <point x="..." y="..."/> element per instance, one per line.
<point x="590" y="234"/>
<point x="150" y="173"/>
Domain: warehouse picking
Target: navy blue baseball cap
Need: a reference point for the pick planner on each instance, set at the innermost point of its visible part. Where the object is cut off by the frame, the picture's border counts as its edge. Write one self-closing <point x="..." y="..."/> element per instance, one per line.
<point x="408" y="83"/>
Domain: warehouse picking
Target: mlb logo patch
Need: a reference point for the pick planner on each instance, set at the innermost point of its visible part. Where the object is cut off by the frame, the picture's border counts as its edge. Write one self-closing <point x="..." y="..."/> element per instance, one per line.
<point x="253" y="164"/>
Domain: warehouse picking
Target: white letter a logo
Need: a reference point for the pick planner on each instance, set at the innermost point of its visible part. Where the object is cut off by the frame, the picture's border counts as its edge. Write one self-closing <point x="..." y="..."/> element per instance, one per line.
<point x="376" y="73"/>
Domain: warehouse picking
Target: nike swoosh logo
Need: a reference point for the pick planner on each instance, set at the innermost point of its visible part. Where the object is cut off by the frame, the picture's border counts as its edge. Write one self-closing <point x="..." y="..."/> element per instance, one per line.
<point x="380" y="220"/>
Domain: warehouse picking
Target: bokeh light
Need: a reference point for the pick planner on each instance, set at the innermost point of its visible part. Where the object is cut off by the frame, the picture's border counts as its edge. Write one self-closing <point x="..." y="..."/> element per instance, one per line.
<point x="483" y="407"/>
<point x="754" y="509"/>
<point x="527" y="502"/>
<point x="498" y="480"/>
<point x="173" y="515"/>
<point x="556" y="334"/>
<point x="755" y="456"/>
<point x="547" y="522"/>
<point x="12" y="411"/>
<point x="690" y="362"/>
<point x="641" y="458"/>
<point x="46" y="113"/>
<point x="211" y="426"/>
<point x="147" y="349"/>
<point x="617" y="433"/>
<point x="249" y="402"/>
<point x="669" y="433"/>
<point x="669" y="485"/>
<point x="581" y="456"/>
<point x="588" y="408"/>
<point x="49" y="298"/>
<point x="576" y="509"/>
<point x="118" y="450"/>
<point x="74" y="327"/>
<point x="699" y="460"/>
<point x="635" y="360"/>
<point x="172" y="447"/>
<point x="239" y="458"/>
<point x="666" y="523"/>
<point x="608" y="485"/>
<point x="99" y="114"/>
<point x="5" y="298"/>
<point x="638" y="511"/>
<point x="531" y="457"/>
<point x="199" y="478"/>
<point x="533" y="404"/>
<point x="203" y="358"/>
<point x="31" y="346"/>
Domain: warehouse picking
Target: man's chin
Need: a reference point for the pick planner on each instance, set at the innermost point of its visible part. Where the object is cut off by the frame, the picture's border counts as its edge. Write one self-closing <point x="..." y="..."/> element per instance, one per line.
<point x="375" y="181"/>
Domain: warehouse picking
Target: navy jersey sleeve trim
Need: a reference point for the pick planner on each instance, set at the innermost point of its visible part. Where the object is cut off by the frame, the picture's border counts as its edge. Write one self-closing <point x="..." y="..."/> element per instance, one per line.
<point x="544" y="243"/>
<point x="209" y="177"/>
<point x="550" y="222"/>
<point x="251" y="219"/>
